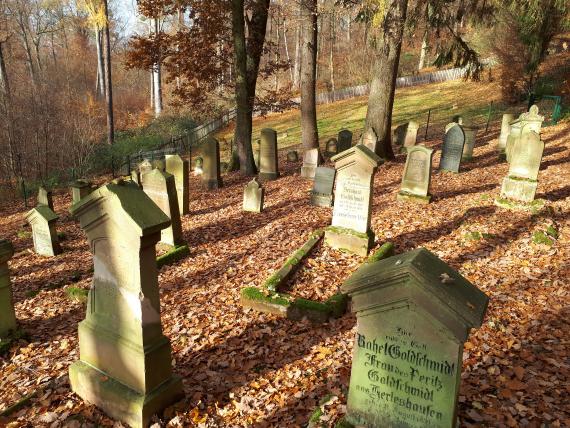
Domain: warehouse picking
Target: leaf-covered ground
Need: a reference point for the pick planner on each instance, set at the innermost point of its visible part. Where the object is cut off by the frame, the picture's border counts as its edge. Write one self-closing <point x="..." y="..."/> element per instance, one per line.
<point x="244" y="368"/>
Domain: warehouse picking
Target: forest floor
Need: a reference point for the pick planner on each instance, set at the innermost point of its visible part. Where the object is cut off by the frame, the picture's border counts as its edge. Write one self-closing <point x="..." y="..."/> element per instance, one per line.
<point x="242" y="368"/>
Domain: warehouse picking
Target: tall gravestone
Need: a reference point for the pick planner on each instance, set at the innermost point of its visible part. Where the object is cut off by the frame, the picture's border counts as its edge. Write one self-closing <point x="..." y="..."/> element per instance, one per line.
<point x="80" y="189"/>
<point x="322" y="193"/>
<point x="406" y="135"/>
<point x="344" y="140"/>
<point x="414" y="314"/>
<point x="180" y="169"/>
<point x="370" y="139"/>
<point x="211" y="164"/>
<point x="310" y="163"/>
<point x="526" y="122"/>
<point x="417" y="175"/>
<point x="125" y="360"/>
<point x="161" y="188"/>
<point x="470" y="140"/>
<point x="452" y="149"/>
<point x="350" y="229"/>
<point x="268" y="160"/>
<point x="505" y="131"/>
<point x="45" y="197"/>
<point x="522" y="180"/>
<point x="7" y="315"/>
<point x="43" y="222"/>
<point x="253" y="197"/>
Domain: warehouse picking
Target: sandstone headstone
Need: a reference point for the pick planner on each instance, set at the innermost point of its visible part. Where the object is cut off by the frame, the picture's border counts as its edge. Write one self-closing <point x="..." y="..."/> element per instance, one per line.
<point x="452" y="149"/>
<point x="292" y="156"/>
<point x="43" y="221"/>
<point x="344" y="140"/>
<point x="470" y="139"/>
<point x="414" y="314"/>
<point x="406" y="134"/>
<point x="125" y="365"/>
<point x="253" y="197"/>
<point x="136" y="178"/>
<point x="7" y="315"/>
<point x="526" y="122"/>
<point x="505" y="131"/>
<point x="370" y="139"/>
<point x="80" y="189"/>
<point x="45" y="197"/>
<point x="198" y="166"/>
<point x="310" y="163"/>
<point x="161" y="188"/>
<point x="211" y="164"/>
<point x="350" y="229"/>
<point x="145" y="166"/>
<point x="322" y="193"/>
<point x="331" y="147"/>
<point x="268" y="161"/>
<point x="180" y="169"/>
<point x="417" y="175"/>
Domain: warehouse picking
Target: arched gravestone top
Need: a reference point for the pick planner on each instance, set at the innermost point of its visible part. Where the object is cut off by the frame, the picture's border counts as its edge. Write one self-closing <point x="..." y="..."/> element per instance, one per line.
<point x="344" y="140"/>
<point x="417" y="172"/>
<point x="452" y="149"/>
<point x="253" y="196"/>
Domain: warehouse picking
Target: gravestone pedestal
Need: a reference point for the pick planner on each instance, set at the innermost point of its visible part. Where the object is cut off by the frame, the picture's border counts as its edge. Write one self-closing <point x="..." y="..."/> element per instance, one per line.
<point x="7" y="315"/>
<point x="43" y="221"/>
<point x="125" y="367"/>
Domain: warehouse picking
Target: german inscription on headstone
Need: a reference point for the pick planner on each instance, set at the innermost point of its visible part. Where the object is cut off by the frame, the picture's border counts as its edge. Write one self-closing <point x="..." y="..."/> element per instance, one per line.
<point x="45" y="197"/>
<point x="253" y="197"/>
<point x="452" y="149"/>
<point x="211" y="164"/>
<point x="417" y="175"/>
<point x="180" y="169"/>
<point x="322" y="192"/>
<point x="7" y="314"/>
<point x="344" y="140"/>
<point x="43" y="220"/>
<point x="414" y="313"/>
<point x="268" y="161"/>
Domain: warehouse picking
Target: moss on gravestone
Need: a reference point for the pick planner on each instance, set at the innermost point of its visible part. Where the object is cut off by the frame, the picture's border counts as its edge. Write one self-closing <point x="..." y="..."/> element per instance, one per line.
<point x="177" y="253"/>
<point x="386" y="250"/>
<point x="253" y="293"/>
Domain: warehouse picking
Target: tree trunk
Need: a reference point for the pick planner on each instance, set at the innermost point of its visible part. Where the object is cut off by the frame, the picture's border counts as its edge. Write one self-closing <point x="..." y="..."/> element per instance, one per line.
<point x="297" y="67"/>
<point x="108" y="77"/>
<point x="384" y="74"/>
<point x="423" y="51"/>
<point x="331" y="53"/>
<point x="100" y="85"/>
<point x="157" y="76"/>
<point x="309" y="131"/>
<point x="4" y="82"/>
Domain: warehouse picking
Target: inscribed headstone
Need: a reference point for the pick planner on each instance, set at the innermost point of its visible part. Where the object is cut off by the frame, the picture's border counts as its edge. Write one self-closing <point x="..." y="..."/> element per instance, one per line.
<point x="310" y="163"/>
<point x="45" y="197"/>
<point x="470" y="139"/>
<point x="268" y="161"/>
<point x="526" y="122"/>
<point x="370" y="139"/>
<point x="321" y="195"/>
<point x="452" y="149"/>
<point x="417" y="175"/>
<point x="43" y="221"/>
<point x="253" y="197"/>
<point x="414" y="313"/>
<point x="180" y="169"/>
<point x="161" y="188"/>
<point x="7" y="315"/>
<point x="406" y="134"/>
<point x="344" y="140"/>
<point x="211" y="164"/>
<point x="125" y="366"/>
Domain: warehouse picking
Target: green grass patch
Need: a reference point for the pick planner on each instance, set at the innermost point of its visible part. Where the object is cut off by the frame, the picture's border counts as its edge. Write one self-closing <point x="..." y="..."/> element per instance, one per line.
<point x="24" y="234"/>
<point x="177" y="253"/>
<point x="552" y="231"/>
<point x="77" y="294"/>
<point x="542" y="238"/>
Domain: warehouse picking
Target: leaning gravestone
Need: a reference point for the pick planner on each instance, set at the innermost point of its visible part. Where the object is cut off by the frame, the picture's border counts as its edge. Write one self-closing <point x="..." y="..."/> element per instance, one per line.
<point x="80" y="189"/>
<point x="321" y="195"/>
<point x="180" y="169"/>
<point x="43" y="220"/>
<point x="417" y="175"/>
<point x="526" y="122"/>
<point x="452" y="149"/>
<point x="414" y="313"/>
<point x="268" y="161"/>
<point x="161" y="188"/>
<point x="470" y="139"/>
<point x="505" y="131"/>
<point x="211" y="164"/>
<point x="350" y="229"/>
<point x="522" y="180"/>
<point x="370" y="139"/>
<point x="310" y="163"/>
<point x="253" y="197"/>
<point x="45" y="197"/>
<point x="125" y="367"/>
<point x="344" y="140"/>
<point x="7" y="314"/>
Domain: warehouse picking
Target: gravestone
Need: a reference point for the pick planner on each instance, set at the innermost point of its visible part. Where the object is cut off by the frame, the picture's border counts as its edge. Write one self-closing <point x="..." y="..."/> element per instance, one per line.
<point x="310" y="163"/>
<point x="144" y="167"/>
<point x="526" y="122"/>
<point x="344" y="140"/>
<point x="350" y="229"/>
<point x="417" y="175"/>
<point x="198" y="164"/>
<point x="161" y="188"/>
<point x="7" y="315"/>
<point x="136" y="178"/>
<point x="268" y="161"/>
<point x="43" y="220"/>
<point x="211" y="164"/>
<point x="470" y="139"/>
<point x="256" y="152"/>
<point x="522" y="180"/>
<point x="321" y="195"/>
<point x="292" y="156"/>
<point x="505" y="131"/>
<point x="253" y="197"/>
<point x="370" y="139"/>
<point x="180" y="169"/>
<point x="158" y="164"/>
<point x="452" y="149"/>
<point x="406" y="135"/>
<point x="331" y="147"/>
<point x="414" y="314"/>
<point x="45" y="197"/>
<point x="125" y="365"/>
<point x="80" y="189"/>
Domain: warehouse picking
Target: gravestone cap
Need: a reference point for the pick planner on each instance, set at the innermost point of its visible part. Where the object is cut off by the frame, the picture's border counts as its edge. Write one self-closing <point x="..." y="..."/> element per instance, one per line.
<point x="43" y="210"/>
<point x="361" y="152"/>
<point x="6" y="250"/>
<point x="422" y="277"/>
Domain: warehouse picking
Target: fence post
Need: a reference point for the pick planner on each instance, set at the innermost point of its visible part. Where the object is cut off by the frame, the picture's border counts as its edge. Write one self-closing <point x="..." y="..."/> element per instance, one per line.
<point x="427" y="124"/>
<point x="489" y="117"/>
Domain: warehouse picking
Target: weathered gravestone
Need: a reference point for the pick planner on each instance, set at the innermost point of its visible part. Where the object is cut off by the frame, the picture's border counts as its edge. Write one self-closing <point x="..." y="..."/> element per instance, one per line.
<point x="350" y="229"/>
<point x="310" y="163"/>
<point x="7" y="314"/>
<point x="268" y="161"/>
<point x="180" y="169"/>
<point x="331" y="147"/>
<point x="505" y="131"/>
<point x="470" y="139"/>
<point x="43" y="220"/>
<point x="160" y="187"/>
<point x="136" y="178"/>
<point x="526" y="122"/>
<point x="414" y="313"/>
<point x="198" y="164"/>
<point x="406" y="135"/>
<point x="80" y="189"/>
<point x="125" y="365"/>
<point x="145" y="166"/>
<point x="452" y="149"/>
<point x="45" y="197"/>
<point x="292" y="156"/>
<point x="211" y="164"/>
<point x="158" y="164"/>
<point x="370" y="139"/>
<point x="417" y="175"/>
<point x="344" y="140"/>
<point x="321" y="195"/>
<point x="253" y="197"/>
<point x="522" y="180"/>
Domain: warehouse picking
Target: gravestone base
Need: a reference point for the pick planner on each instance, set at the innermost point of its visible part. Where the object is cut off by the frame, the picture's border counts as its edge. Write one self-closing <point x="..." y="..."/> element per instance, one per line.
<point x="308" y="172"/>
<point x="119" y="401"/>
<point x="518" y="189"/>
<point x="268" y="176"/>
<point x="349" y="240"/>
<point x="408" y="197"/>
<point x="319" y="200"/>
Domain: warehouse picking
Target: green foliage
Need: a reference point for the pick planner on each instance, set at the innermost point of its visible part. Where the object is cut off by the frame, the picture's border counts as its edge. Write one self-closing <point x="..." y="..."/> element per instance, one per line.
<point x="552" y="231"/>
<point x="540" y="237"/>
<point x="385" y="251"/>
<point x="77" y="294"/>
